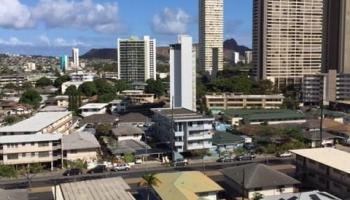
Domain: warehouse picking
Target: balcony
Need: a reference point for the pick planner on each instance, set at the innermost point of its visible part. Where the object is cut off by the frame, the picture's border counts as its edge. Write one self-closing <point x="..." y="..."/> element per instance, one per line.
<point x="199" y="137"/>
<point x="179" y="134"/>
<point x="199" y="146"/>
<point x="179" y="143"/>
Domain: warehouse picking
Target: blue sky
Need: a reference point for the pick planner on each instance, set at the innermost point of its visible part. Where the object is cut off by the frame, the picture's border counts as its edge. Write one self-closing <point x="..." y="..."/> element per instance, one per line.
<point x="52" y="27"/>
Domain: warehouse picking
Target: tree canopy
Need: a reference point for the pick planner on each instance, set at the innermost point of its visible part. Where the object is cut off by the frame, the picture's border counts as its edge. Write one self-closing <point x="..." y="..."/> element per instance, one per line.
<point x="31" y="97"/>
<point x="156" y="87"/>
<point x="43" y="81"/>
<point x="60" y="80"/>
<point x="88" y="89"/>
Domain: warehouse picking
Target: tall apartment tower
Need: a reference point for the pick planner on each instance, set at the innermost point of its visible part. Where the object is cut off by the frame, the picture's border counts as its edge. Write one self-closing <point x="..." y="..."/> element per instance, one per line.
<point x="211" y="35"/>
<point x="337" y="36"/>
<point x="137" y="59"/>
<point x="75" y="55"/>
<point x="287" y="39"/>
<point x="183" y="74"/>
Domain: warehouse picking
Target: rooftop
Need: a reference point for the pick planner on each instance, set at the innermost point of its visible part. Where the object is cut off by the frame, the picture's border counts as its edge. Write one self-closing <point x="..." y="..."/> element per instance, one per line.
<point x="8" y="139"/>
<point x="127" y="130"/>
<point x="15" y="194"/>
<point x="107" y="189"/>
<point x="330" y="157"/>
<point x="184" y="185"/>
<point x="94" y="106"/>
<point x="311" y="195"/>
<point x="99" y="118"/>
<point x="257" y="176"/>
<point x="179" y="113"/>
<point x="36" y="123"/>
<point x="226" y="138"/>
<point x="133" y="117"/>
<point x="264" y="114"/>
<point x="79" y="140"/>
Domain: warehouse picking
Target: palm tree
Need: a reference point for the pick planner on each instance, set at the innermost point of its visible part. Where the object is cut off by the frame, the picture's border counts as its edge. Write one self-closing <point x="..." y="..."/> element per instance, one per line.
<point x="149" y="180"/>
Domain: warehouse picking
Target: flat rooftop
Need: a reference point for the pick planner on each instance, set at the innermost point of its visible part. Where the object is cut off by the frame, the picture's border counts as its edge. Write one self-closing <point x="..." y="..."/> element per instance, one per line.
<point x="179" y="113"/>
<point x="13" y="139"/>
<point x="330" y="157"/>
<point x="264" y="114"/>
<point x="94" y="106"/>
<point x="36" y="123"/>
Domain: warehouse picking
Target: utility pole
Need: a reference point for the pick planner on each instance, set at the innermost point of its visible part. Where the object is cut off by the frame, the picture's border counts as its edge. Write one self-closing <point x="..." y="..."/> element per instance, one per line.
<point x="321" y="121"/>
<point x="243" y="184"/>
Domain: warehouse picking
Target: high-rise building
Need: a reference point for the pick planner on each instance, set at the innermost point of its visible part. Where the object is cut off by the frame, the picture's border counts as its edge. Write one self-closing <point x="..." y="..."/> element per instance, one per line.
<point x="248" y="57"/>
<point x="75" y="55"/>
<point x="137" y="59"/>
<point x="183" y="74"/>
<point x="211" y="35"/>
<point x="236" y="57"/>
<point x="287" y="39"/>
<point x="337" y="36"/>
<point x="64" y="63"/>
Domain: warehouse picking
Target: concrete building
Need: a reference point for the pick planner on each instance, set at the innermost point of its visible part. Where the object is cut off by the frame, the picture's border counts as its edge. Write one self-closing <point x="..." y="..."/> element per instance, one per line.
<point x="190" y="131"/>
<point x="122" y="133"/>
<point x="93" y="108"/>
<point x="183" y="74"/>
<point x="188" y="185"/>
<point x="42" y="122"/>
<point x="75" y="56"/>
<point x="138" y="96"/>
<point x="15" y="79"/>
<point x="80" y="76"/>
<point x="248" y="57"/>
<point x="64" y="63"/>
<point x="287" y="39"/>
<point x="258" y="178"/>
<point x="30" y="66"/>
<point x="329" y="87"/>
<point x="326" y="169"/>
<point x="137" y="59"/>
<point x="65" y="85"/>
<point x="80" y="145"/>
<point x="224" y="101"/>
<point x="211" y="35"/>
<point x="236" y="57"/>
<point x="337" y="37"/>
<point x="33" y="148"/>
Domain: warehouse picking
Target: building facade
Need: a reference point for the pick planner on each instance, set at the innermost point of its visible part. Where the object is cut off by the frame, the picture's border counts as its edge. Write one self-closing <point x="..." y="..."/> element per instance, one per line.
<point x="211" y="35"/>
<point x="191" y="131"/>
<point x="238" y="101"/>
<point x="64" y="62"/>
<point x="138" y="96"/>
<point x="137" y="59"/>
<point x="183" y="74"/>
<point x="75" y="55"/>
<point x="326" y="169"/>
<point x="329" y="87"/>
<point x="15" y="79"/>
<point x="287" y="39"/>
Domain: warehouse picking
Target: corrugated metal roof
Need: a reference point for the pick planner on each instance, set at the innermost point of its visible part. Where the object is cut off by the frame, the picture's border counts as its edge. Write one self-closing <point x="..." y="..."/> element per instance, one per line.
<point x="29" y="138"/>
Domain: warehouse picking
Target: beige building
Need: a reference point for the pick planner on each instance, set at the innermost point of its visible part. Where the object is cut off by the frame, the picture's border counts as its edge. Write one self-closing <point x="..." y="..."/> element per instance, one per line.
<point x="34" y="148"/>
<point x="287" y="39"/>
<point x="42" y="122"/>
<point x="325" y="169"/>
<point x="237" y="101"/>
<point x="211" y="35"/>
<point x="138" y="96"/>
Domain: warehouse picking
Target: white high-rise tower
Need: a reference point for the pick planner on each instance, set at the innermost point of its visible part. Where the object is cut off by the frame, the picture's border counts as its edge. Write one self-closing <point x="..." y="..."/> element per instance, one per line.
<point x="183" y="74"/>
<point x="75" y="55"/>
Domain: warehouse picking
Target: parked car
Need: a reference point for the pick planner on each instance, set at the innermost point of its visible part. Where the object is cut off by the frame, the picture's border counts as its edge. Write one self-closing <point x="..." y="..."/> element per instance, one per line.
<point x="72" y="172"/>
<point x="97" y="169"/>
<point x="138" y="161"/>
<point x="284" y="155"/>
<point x="121" y="167"/>
<point x="245" y="157"/>
<point x="180" y="162"/>
<point x="225" y="159"/>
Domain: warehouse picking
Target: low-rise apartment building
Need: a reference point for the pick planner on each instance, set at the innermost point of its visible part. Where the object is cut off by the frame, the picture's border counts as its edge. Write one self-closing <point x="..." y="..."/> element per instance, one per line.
<point x="183" y="129"/>
<point x="93" y="109"/>
<point x="238" y="101"/>
<point x="15" y="79"/>
<point x="42" y="122"/>
<point x="138" y="96"/>
<point x="34" y="148"/>
<point x="326" y="169"/>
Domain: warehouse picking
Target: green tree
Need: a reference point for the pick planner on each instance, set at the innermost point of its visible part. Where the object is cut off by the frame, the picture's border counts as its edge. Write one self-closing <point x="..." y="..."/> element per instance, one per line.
<point x="11" y="86"/>
<point x="43" y="81"/>
<point x="27" y="85"/>
<point x="129" y="157"/>
<point x="103" y="129"/>
<point x="103" y="87"/>
<point x="149" y="180"/>
<point x="263" y="87"/>
<point x="31" y="97"/>
<point x="60" y="80"/>
<point x="105" y="98"/>
<point x="71" y="90"/>
<point x="155" y="87"/>
<point x="74" y="98"/>
<point x="121" y="85"/>
<point x="11" y="119"/>
<point x="257" y="196"/>
<point x="8" y="171"/>
<point x="30" y="171"/>
<point x="77" y="164"/>
<point x="202" y="153"/>
<point x="88" y="89"/>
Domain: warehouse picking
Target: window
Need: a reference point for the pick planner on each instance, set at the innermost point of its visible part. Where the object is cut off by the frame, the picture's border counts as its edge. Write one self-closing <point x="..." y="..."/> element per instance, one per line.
<point x="73" y="151"/>
<point x="43" y="144"/>
<point x="44" y="154"/>
<point x="33" y="154"/>
<point x="12" y="156"/>
<point x="32" y="143"/>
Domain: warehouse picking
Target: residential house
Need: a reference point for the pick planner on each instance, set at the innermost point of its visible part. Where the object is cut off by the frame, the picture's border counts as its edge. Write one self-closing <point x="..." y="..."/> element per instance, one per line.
<point x="127" y="133"/>
<point x="92" y="109"/>
<point x="133" y="119"/>
<point x="97" y="119"/>
<point x="254" y="178"/>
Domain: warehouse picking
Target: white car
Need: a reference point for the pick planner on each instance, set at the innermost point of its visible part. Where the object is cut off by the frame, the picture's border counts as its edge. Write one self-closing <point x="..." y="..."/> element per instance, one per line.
<point x="285" y="155"/>
<point x="121" y="167"/>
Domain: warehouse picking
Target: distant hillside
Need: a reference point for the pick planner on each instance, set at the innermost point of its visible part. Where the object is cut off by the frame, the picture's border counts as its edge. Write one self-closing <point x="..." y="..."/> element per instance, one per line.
<point x="101" y="54"/>
<point x="231" y="44"/>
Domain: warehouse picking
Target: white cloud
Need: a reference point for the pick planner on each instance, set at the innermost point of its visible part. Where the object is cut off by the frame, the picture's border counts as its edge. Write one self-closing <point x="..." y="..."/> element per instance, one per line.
<point x="60" y="42"/>
<point x="14" y="41"/>
<point x="84" y="14"/>
<point x="171" y="21"/>
<point x="45" y="40"/>
<point x="15" y="15"/>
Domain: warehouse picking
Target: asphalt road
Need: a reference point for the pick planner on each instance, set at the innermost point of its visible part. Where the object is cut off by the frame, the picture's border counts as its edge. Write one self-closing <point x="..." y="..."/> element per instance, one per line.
<point x="134" y="173"/>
